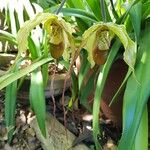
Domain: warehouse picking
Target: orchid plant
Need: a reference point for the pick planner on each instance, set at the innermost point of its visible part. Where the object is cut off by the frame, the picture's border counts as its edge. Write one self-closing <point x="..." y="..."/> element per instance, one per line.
<point x="102" y="32"/>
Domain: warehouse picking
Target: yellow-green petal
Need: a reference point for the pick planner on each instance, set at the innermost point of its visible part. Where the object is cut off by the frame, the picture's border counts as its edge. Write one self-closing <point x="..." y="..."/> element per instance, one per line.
<point x="23" y="33"/>
<point x="120" y="31"/>
<point x="90" y="46"/>
<point x="63" y="33"/>
<point x="129" y="45"/>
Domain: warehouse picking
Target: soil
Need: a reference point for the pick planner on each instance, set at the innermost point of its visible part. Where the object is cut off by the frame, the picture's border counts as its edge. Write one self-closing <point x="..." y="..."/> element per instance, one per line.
<point x="78" y="122"/>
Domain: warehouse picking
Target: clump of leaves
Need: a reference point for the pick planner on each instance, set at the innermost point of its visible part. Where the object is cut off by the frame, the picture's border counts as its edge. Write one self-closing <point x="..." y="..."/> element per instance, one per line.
<point x="96" y="40"/>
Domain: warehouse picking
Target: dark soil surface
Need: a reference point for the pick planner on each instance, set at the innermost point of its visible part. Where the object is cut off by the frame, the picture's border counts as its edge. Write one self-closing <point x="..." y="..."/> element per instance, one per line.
<point x="79" y="122"/>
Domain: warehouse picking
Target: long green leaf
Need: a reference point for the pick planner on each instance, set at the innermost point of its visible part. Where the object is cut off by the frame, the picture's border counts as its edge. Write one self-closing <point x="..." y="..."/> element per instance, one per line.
<point x="10" y="107"/>
<point x="122" y="18"/>
<point x="146" y="10"/>
<point x="4" y="38"/>
<point x="136" y="14"/>
<point x="29" y="9"/>
<point x="7" y="34"/>
<point x="45" y="66"/>
<point x="99" y="88"/>
<point x="135" y="101"/>
<point x="141" y="143"/>
<point x="95" y="7"/>
<point x="32" y="48"/>
<point x="84" y="68"/>
<point x="86" y="90"/>
<point x="114" y="12"/>
<point x="79" y="13"/>
<point x="82" y="23"/>
<point x="76" y="4"/>
<point x="37" y="99"/>
<point x="114" y="99"/>
<point x="10" y="77"/>
<point x="4" y="35"/>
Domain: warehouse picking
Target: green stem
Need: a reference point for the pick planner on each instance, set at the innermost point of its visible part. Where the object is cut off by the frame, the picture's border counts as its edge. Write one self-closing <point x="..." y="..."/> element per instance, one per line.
<point x="102" y="4"/>
<point x="61" y="6"/>
<point x="113" y="9"/>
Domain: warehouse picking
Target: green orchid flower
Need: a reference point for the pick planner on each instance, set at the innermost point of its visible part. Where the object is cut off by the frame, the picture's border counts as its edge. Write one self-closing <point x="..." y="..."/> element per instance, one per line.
<point x="60" y="37"/>
<point x="59" y="33"/>
<point x="97" y="39"/>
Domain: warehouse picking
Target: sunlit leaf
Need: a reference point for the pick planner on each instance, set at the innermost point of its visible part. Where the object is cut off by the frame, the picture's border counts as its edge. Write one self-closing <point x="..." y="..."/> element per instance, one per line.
<point x="141" y="140"/>
<point x="95" y="7"/>
<point x="12" y="76"/>
<point x="4" y="35"/>
<point x="146" y="10"/>
<point x="135" y="101"/>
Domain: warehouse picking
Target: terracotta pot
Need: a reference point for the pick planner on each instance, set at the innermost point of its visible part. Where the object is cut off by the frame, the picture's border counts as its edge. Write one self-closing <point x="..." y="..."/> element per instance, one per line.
<point x="113" y="82"/>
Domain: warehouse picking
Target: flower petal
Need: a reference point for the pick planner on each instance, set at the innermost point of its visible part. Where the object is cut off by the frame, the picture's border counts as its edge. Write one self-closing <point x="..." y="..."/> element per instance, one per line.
<point x="130" y="47"/>
<point x="23" y="33"/>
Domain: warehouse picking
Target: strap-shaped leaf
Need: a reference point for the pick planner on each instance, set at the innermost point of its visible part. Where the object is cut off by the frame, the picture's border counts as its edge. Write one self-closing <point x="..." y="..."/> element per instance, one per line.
<point x="99" y="88"/>
<point x="37" y="99"/>
<point x="10" y="107"/>
<point x="4" y="35"/>
<point x="135" y="101"/>
<point x="12" y="76"/>
<point x="136" y="14"/>
<point x="79" y="13"/>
